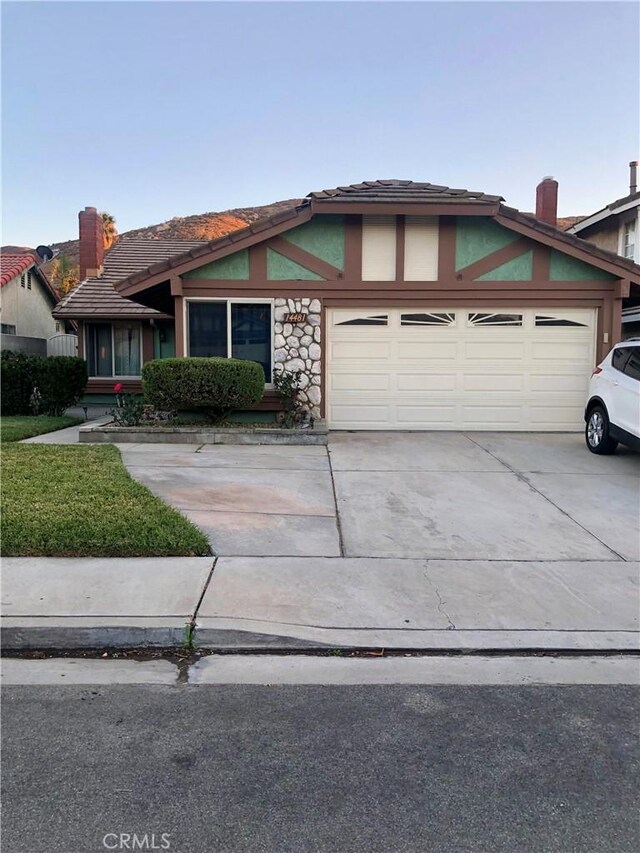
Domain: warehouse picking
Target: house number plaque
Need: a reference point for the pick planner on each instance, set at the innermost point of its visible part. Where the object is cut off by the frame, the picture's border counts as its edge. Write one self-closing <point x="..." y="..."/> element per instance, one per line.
<point x="296" y="317"/>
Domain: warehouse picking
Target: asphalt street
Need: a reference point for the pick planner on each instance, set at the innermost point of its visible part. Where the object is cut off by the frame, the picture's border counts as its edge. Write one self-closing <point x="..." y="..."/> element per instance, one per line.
<point x="328" y="769"/>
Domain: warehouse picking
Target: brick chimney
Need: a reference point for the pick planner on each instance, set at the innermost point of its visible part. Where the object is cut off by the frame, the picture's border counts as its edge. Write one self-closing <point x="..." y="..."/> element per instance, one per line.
<point x="547" y="201"/>
<point x="91" y="243"/>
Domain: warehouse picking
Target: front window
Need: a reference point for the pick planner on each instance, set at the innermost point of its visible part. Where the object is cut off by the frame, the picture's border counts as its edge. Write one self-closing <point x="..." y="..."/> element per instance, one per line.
<point x="231" y="330"/>
<point x="113" y="349"/>
<point x="629" y="240"/>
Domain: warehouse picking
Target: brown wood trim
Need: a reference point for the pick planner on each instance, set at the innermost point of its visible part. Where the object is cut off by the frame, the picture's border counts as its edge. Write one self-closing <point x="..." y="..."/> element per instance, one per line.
<point x="128" y="288"/>
<point x="447" y="247"/>
<point x="495" y="300"/>
<point x="353" y="248"/>
<point x="400" y="242"/>
<point x="176" y="285"/>
<point x="374" y="289"/>
<point x="104" y="385"/>
<point x="616" y="320"/>
<point x="560" y="245"/>
<point x="417" y="209"/>
<point x="178" y="302"/>
<point x="258" y="261"/>
<point x="147" y="342"/>
<point x="81" y="351"/>
<point x="623" y="288"/>
<point x="541" y="262"/>
<point x="495" y="259"/>
<point x="304" y="258"/>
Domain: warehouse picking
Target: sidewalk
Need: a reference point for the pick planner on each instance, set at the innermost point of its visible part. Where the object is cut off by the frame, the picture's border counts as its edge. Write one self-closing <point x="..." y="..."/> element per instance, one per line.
<point x="278" y="603"/>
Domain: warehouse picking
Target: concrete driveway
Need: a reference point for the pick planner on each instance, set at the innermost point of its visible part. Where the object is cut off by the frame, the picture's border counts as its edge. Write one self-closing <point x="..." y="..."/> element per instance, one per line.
<point x="451" y="496"/>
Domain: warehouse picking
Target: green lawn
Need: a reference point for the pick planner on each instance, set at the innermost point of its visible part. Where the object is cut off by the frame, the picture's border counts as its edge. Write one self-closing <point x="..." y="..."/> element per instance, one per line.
<point x="70" y="501"/>
<point x="17" y="427"/>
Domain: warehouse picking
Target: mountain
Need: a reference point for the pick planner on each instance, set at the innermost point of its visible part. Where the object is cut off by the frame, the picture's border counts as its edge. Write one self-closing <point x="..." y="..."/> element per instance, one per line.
<point x="201" y="226"/>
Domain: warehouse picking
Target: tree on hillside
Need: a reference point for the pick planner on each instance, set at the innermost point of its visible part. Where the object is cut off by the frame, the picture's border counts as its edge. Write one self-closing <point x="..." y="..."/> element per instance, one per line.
<point x="63" y="275"/>
<point x="110" y="232"/>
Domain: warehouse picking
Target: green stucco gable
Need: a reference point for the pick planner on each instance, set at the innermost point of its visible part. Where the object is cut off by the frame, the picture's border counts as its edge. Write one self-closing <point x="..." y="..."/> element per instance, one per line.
<point x="565" y="268"/>
<point x="234" y="266"/>
<point x="280" y="268"/>
<point x="518" y="269"/>
<point x="479" y="236"/>
<point x="322" y="236"/>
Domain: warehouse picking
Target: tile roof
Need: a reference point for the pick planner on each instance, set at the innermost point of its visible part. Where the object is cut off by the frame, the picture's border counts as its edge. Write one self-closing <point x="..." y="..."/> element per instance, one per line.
<point x="13" y="265"/>
<point x="97" y="296"/>
<point x="568" y="238"/>
<point x="401" y="191"/>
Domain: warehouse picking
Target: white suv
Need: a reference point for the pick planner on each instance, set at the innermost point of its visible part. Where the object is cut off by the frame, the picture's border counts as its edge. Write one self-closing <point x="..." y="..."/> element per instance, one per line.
<point x="612" y="414"/>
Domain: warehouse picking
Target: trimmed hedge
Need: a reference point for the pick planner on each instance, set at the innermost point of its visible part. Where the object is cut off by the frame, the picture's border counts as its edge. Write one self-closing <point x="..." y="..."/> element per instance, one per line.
<point x="215" y="386"/>
<point x="59" y="381"/>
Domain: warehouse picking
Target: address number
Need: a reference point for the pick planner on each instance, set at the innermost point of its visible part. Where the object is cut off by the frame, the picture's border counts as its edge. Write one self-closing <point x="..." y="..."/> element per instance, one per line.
<point x="297" y="317"/>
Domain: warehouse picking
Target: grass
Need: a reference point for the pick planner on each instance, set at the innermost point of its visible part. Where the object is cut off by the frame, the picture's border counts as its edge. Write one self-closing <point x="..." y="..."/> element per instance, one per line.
<point x="17" y="427"/>
<point x="69" y="501"/>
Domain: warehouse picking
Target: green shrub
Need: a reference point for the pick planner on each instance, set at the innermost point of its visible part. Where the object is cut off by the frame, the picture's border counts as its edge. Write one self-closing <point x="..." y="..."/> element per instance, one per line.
<point x="20" y="372"/>
<point x="62" y="381"/>
<point x="215" y="386"/>
<point x="53" y="383"/>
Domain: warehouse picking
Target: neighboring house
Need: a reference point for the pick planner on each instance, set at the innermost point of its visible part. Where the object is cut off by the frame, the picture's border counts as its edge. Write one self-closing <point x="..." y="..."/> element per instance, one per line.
<point x="406" y="305"/>
<point x="26" y="300"/>
<point x="617" y="228"/>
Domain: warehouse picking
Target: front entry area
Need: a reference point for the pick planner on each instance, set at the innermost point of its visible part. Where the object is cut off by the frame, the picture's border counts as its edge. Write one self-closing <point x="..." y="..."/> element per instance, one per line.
<point x="459" y="368"/>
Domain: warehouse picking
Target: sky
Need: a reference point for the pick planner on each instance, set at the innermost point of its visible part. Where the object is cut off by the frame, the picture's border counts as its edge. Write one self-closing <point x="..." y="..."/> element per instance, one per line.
<point x="151" y="110"/>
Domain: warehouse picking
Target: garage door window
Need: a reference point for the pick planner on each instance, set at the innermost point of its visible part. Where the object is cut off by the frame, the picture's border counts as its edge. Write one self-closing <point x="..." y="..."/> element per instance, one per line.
<point x="548" y="320"/>
<point x="476" y="319"/>
<point x="370" y="320"/>
<point x="428" y="319"/>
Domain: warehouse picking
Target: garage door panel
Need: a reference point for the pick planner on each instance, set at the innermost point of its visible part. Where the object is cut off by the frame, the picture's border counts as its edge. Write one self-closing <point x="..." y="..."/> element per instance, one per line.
<point x="426" y="381"/>
<point x="494" y="350"/>
<point x="429" y="417"/>
<point x="549" y="382"/>
<point x="492" y="382"/>
<point x="492" y="413"/>
<point x="361" y="349"/>
<point x="460" y="376"/>
<point x="363" y="415"/>
<point x="360" y="382"/>
<point x="434" y="350"/>
<point x="559" y="351"/>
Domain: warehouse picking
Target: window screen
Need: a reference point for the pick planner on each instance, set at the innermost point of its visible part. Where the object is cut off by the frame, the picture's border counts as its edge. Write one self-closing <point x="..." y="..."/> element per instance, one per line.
<point x="251" y="334"/>
<point x="208" y="329"/>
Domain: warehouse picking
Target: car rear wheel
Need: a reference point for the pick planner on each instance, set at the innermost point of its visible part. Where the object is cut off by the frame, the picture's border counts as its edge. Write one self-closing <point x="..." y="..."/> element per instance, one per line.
<point x="597" y="434"/>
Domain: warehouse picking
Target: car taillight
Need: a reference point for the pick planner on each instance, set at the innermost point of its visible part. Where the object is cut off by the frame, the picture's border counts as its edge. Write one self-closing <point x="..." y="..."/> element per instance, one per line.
<point x="596" y="371"/>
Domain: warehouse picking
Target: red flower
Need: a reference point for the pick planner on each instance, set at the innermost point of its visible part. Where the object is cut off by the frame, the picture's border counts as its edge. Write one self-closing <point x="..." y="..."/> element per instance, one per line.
<point x="118" y="388"/>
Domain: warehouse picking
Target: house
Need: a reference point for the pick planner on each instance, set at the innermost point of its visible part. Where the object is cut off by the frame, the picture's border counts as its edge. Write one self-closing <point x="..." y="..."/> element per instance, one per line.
<point x="26" y="300"/>
<point x="406" y="305"/>
<point x="616" y="227"/>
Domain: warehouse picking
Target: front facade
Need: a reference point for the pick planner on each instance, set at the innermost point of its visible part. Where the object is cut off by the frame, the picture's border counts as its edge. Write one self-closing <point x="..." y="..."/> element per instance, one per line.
<point x="26" y="301"/>
<point x="405" y="305"/>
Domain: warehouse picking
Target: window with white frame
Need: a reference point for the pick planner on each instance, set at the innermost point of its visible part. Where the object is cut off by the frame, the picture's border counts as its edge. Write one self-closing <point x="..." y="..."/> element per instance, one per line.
<point x="629" y="240"/>
<point x="231" y="329"/>
<point x="114" y="349"/>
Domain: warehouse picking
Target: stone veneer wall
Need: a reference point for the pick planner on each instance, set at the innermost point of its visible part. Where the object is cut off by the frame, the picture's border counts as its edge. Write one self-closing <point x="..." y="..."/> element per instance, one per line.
<point x="297" y="347"/>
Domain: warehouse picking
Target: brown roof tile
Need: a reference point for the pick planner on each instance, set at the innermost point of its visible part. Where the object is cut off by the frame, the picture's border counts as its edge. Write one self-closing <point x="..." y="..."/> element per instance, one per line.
<point x="402" y="192"/>
<point x="97" y="295"/>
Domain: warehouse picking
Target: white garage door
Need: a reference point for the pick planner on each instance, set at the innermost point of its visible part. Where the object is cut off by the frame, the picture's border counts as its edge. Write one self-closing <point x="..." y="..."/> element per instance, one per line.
<point x="471" y="368"/>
